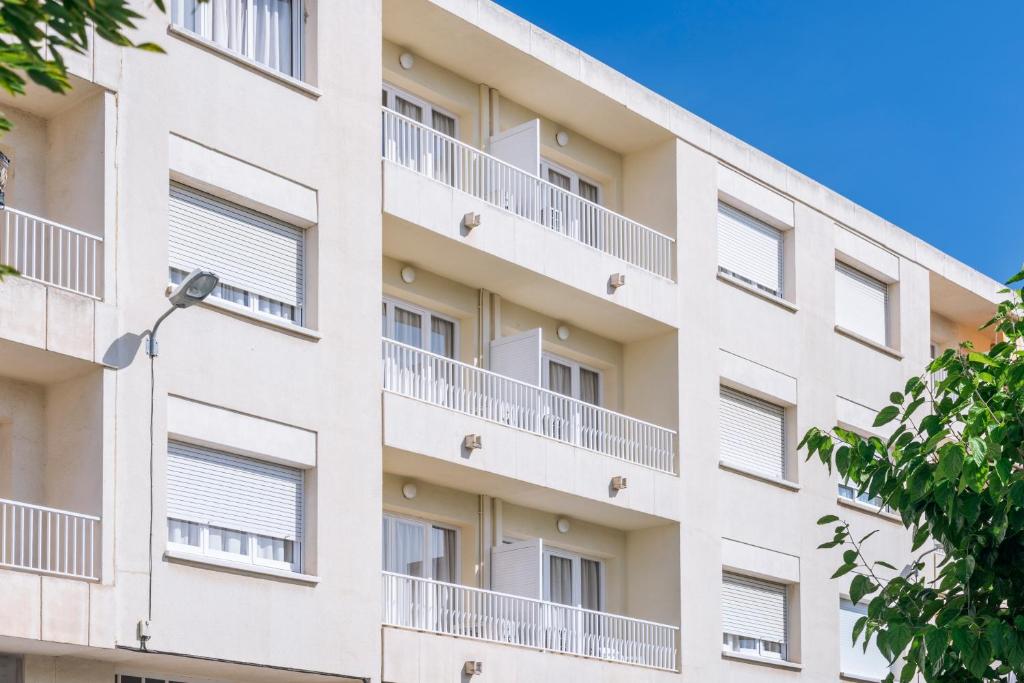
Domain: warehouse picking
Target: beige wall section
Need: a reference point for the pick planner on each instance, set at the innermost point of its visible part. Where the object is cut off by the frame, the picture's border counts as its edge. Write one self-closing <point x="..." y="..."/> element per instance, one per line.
<point x="22" y="441"/>
<point x="26" y="147"/>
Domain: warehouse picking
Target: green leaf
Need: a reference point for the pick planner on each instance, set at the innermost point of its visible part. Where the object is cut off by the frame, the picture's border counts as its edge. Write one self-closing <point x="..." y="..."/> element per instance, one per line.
<point x="844" y="569"/>
<point x="981" y="358"/>
<point x="886" y="415"/>
<point x="896" y="397"/>
<point x="861" y="586"/>
<point x="827" y="519"/>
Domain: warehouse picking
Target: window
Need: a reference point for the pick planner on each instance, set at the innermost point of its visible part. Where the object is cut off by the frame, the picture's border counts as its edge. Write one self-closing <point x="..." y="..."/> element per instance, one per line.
<point x="752" y="433"/>
<point x="419" y="110"/>
<point x="232" y="507"/>
<point x="862" y="304"/>
<point x="754" y="617"/>
<point x="853" y="659"/>
<point x="419" y="327"/>
<point x="570" y="181"/>
<point x="750" y="250"/>
<point x="268" y="32"/>
<point x="418" y="548"/>
<point x="569" y="378"/>
<point x="570" y="579"/>
<point x="260" y="260"/>
<point x="848" y="491"/>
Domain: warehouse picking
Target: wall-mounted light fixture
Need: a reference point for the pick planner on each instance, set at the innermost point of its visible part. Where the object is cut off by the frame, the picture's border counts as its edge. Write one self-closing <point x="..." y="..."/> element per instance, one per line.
<point x="408" y="275"/>
<point x="406" y="60"/>
<point x="562" y="525"/>
<point x="562" y="138"/>
<point x="562" y="332"/>
<point x="471" y="220"/>
<point x="473" y="668"/>
<point x="619" y="483"/>
<point x="409" y="490"/>
<point x="196" y="286"/>
<point x="617" y="280"/>
<point x="473" y="442"/>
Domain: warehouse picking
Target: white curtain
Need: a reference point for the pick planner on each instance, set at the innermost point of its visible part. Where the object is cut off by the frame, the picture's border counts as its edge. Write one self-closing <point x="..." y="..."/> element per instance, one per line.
<point x="559" y="378"/>
<point x="403" y="547"/>
<point x="272" y="34"/>
<point x="229" y="541"/>
<point x="227" y="19"/>
<point x="408" y="327"/>
<point x="442" y="554"/>
<point x="442" y="337"/>
<point x="590" y="386"/>
<point x="590" y="584"/>
<point x="407" y="108"/>
<point x="560" y="580"/>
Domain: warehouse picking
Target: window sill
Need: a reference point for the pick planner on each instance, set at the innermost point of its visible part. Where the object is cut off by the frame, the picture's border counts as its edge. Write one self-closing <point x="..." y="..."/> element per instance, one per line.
<point x="260" y="319"/>
<point x="293" y="83"/>
<point x="857" y="678"/>
<point x="763" y="661"/>
<point x="771" y="298"/>
<point x="775" y="481"/>
<point x="869" y="509"/>
<point x="239" y="567"/>
<point x="887" y="350"/>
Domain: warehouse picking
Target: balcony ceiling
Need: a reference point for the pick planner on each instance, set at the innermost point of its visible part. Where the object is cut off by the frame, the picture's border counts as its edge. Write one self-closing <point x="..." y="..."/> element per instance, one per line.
<point x="955" y="302"/>
<point x="43" y="103"/>
<point x="465" y="49"/>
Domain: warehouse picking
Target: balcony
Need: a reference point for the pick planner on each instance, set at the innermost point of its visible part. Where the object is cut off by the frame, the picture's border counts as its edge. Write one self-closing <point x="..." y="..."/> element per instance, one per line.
<point x="51" y="253"/>
<point x="49" y="541"/>
<point x="504" y="186"/>
<point x="449" y="609"/>
<point x="467" y="389"/>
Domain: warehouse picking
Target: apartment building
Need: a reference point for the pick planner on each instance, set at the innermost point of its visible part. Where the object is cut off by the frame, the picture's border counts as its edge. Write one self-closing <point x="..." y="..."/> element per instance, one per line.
<point x="502" y="380"/>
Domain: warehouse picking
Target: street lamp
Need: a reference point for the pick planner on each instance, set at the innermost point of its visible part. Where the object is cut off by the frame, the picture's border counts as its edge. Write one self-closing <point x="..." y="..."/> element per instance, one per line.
<point x="196" y="286"/>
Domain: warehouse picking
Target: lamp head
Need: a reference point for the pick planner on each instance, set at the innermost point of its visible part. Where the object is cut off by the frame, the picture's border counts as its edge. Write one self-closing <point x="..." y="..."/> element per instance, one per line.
<point x="196" y="286"/>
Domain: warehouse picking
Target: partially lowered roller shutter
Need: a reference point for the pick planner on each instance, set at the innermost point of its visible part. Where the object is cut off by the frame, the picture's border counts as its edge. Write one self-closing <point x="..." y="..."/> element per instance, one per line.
<point x="753" y="608"/>
<point x="247" y="249"/>
<point x="752" y="433"/>
<point x="750" y="250"/>
<point x="862" y="304"/>
<point x="234" y="492"/>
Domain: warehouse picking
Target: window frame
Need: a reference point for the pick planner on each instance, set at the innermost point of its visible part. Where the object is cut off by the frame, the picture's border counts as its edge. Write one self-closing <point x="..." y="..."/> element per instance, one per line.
<point x="577" y="576"/>
<point x="574" y="179"/>
<point x="252" y="303"/>
<point x="204" y="23"/>
<point x="575" y="367"/>
<point x="427" y="525"/>
<point x="746" y="279"/>
<point x="855" y="271"/>
<point x="731" y="642"/>
<point x="786" y="473"/>
<point x="251" y="543"/>
<point x="426" y="315"/>
<point x="391" y="92"/>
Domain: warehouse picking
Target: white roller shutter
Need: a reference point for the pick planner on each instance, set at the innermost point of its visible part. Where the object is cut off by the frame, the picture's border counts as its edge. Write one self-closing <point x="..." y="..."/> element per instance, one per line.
<point x="862" y="304"/>
<point x="753" y="608"/>
<point x="247" y="249"/>
<point x="749" y="249"/>
<point x="518" y="356"/>
<point x="234" y="492"/>
<point x="517" y="568"/>
<point x="854" y="659"/>
<point x="752" y="433"/>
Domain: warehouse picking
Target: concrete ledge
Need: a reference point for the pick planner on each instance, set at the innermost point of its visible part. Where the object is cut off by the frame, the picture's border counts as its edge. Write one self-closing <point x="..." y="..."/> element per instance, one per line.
<point x="763" y="661"/>
<point x="870" y="343"/>
<point x="204" y="561"/>
<point x="779" y="481"/>
<point x="869" y="509"/>
<point x="856" y="678"/>
<point x="771" y="298"/>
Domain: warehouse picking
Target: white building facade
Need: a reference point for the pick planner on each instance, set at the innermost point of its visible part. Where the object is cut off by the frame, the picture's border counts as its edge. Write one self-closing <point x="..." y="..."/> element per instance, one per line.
<point x="503" y="380"/>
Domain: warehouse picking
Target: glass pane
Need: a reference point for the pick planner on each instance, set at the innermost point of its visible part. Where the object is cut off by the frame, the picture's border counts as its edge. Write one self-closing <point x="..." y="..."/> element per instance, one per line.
<point x="183" y="14"/>
<point x="407" y="108"/>
<point x="442" y="337"/>
<point x="559" y="378"/>
<point x="408" y="327"/>
<point x="183" y="533"/>
<point x="590" y="386"/>
<point x="275" y="549"/>
<point x="229" y="541"/>
<point x="443" y="123"/>
<point x="560" y="580"/>
<point x="272" y="34"/>
<point x="590" y="584"/>
<point x="443" y="554"/>
<point x="589" y="191"/>
<point x="560" y="179"/>
<point x="403" y="547"/>
<point x="227" y="24"/>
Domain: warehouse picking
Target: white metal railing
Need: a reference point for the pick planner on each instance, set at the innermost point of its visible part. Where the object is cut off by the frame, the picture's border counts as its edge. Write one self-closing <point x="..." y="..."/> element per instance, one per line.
<point x="427" y="605"/>
<point x="468" y="389"/>
<point x="49" y="541"/>
<point x="52" y="253"/>
<point x="445" y="159"/>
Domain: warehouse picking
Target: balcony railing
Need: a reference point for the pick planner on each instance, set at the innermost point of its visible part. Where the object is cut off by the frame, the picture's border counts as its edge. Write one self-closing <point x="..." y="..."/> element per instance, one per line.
<point x="52" y="253"/>
<point x="410" y="143"/>
<point x="48" y="541"/>
<point x="450" y="609"/>
<point x="468" y="389"/>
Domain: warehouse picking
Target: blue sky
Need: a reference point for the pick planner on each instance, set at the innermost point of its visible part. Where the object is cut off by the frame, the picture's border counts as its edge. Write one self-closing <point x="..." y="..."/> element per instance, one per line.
<point x="913" y="109"/>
